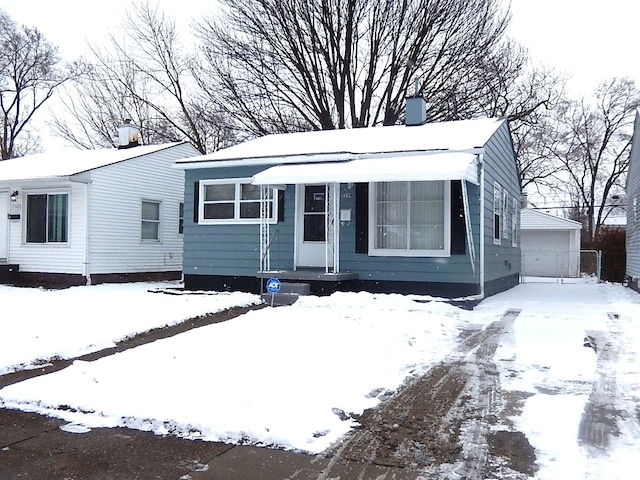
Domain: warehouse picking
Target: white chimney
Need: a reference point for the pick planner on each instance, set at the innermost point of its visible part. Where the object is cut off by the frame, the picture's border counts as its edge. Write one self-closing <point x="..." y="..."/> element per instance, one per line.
<point x="128" y="135"/>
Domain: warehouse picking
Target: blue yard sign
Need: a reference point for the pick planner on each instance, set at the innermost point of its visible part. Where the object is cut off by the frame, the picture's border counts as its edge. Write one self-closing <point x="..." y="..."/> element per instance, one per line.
<point x="273" y="285"/>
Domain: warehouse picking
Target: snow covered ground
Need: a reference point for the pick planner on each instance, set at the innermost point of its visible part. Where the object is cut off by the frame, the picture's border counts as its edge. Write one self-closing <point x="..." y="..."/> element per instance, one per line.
<point x="38" y="324"/>
<point x="283" y="376"/>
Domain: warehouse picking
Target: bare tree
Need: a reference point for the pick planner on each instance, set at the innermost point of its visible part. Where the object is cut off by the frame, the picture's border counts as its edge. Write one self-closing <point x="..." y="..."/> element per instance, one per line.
<point x="510" y="86"/>
<point x="30" y="73"/>
<point x="593" y="149"/>
<point x="146" y="77"/>
<point x="322" y="64"/>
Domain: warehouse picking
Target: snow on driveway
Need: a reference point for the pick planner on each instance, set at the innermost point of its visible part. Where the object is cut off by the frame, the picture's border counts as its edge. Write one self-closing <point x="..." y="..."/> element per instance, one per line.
<point x="547" y="361"/>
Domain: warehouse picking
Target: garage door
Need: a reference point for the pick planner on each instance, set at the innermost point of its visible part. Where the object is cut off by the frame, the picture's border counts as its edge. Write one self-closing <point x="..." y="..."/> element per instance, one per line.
<point x="547" y="254"/>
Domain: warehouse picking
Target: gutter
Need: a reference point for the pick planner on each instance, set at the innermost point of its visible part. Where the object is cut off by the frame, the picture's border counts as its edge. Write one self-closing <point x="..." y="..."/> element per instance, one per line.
<point x="87" y="249"/>
<point x="323" y="157"/>
<point x="480" y="296"/>
<point x="482" y="226"/>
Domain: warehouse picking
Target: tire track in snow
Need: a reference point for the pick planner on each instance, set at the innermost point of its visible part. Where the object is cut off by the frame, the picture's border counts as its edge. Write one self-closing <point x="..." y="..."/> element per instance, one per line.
<point x="419" y="428"/>
<point x="599" y="420"/>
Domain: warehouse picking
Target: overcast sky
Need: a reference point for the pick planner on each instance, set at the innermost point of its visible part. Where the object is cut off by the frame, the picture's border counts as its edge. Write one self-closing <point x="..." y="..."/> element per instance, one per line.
<point x="590" y="39"/>
<point x="593" y="40"/>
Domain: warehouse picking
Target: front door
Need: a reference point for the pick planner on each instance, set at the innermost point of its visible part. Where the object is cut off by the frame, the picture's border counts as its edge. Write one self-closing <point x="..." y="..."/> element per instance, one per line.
<point x="311" y="226"/>
<point x="4" y="224"/>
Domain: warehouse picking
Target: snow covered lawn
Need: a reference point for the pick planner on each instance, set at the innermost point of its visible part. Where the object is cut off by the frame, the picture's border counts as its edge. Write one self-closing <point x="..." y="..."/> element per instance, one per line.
<point x="276" y="376"/>
<point x="290" y="376"/>
<point x="37" y="324"/>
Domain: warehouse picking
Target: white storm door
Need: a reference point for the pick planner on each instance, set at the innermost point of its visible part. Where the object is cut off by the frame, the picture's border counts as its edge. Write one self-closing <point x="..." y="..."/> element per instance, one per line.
<point x="311" y="230"/>
<point x="4" y="224"/>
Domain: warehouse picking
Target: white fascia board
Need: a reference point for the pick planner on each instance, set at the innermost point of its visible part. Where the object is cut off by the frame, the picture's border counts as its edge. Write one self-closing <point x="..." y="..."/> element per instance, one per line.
<point x="193" y="164"/>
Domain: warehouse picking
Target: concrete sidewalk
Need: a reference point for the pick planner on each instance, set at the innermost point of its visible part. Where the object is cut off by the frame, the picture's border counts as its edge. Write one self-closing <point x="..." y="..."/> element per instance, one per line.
<point x="35" y="447"/>
<point x="243" y="463"/>
<point x="38" y="448"/>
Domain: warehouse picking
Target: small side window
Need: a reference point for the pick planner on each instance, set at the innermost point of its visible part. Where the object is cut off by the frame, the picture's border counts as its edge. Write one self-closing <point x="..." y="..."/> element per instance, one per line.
<point x="497" y="214"/>
<point x="150" y="220"/>
<point x="181" y="218"/>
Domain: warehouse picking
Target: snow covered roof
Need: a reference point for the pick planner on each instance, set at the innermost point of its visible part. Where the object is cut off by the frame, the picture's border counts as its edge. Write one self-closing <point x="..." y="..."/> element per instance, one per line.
<point x="435" y="166"/>
<point x="72" y="162"/>
<point x="351" y="144"/>
<point x="537" y="220"/>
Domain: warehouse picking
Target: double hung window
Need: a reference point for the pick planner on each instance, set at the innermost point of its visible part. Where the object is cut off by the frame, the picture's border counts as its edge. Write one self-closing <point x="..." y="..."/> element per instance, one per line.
<point x="410" y="218"/>
<point x="233" y="202"/>
<point x="150" y="220"/>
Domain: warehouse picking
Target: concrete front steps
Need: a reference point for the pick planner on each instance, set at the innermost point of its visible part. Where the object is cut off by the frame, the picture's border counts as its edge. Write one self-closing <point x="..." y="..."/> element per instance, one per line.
<point x="288" y="294"/>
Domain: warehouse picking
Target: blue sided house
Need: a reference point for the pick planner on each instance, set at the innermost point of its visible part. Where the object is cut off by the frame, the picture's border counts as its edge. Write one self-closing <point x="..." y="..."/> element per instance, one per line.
<point x="633" y="210"/>
<point x="421" y="208"/>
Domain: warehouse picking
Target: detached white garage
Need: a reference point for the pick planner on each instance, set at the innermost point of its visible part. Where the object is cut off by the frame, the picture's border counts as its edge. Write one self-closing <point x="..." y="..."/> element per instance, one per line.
<point x="550" y="245"/>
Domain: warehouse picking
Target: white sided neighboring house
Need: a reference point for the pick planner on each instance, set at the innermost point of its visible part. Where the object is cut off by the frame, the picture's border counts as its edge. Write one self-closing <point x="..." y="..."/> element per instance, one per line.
<point x="550" y="245"/>
<point x="93" y="216"/>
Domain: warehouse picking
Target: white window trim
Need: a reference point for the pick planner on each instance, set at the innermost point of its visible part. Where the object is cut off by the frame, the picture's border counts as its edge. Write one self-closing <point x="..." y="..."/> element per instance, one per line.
<point x="383" y="252"/>
<point x="515" y="215"/>
<point x="236" y="219"/>
<point x="497" y="207"/>
<point x="42" y="191"/>
<point x="160" y="226"/>
<point x="505" y="216"/>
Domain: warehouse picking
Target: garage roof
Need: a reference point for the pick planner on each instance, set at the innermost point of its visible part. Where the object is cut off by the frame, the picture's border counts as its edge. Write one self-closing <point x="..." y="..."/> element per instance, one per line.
<point x="537" y="220"/>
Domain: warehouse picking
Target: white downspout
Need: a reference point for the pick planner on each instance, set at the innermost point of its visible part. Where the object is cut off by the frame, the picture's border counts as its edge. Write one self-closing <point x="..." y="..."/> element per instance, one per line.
<point x="482" y="232"/>
<point x="87" y="236"/>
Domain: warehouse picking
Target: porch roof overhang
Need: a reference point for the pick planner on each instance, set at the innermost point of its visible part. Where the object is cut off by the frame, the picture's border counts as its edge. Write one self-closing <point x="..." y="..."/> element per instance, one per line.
<point x="433" y="166"/>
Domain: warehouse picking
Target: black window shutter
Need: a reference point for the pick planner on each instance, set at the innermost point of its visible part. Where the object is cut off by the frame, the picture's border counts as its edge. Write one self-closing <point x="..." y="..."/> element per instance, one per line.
<point x="458" y="226"/>
<point x="362" y="218"/>
<point x="281" y="205"/>
<point x="196" y="201"/>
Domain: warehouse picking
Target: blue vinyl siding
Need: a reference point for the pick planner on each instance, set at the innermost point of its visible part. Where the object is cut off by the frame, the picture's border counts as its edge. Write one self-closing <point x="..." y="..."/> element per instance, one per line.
<point x="633" y="206"/>
<point x="230" y="249"/>
<point x="456" y="268"/>
<point x="233" y="250"/>
<point x="500" y="166"/>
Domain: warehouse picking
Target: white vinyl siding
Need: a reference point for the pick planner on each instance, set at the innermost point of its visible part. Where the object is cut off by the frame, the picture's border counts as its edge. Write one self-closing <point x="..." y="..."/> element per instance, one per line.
<point x="4" y="225"/>
<point x="54" y="257"/>
<point x="115" y="223"/>
<point x="112" y="221"/>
